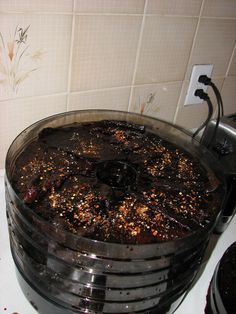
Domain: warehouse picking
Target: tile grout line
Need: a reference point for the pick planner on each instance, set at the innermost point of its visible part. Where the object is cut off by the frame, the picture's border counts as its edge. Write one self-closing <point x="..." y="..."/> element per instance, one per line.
<point x="104" y="89"/>
<point x="69" y="13"/>
<point x="230" y="61"/>
<point x="37" y="12"/>
<point x="95" y="90"/>
<point x="193" y="16"/>
<point x="34" y="96"/>
<point x="188" y="63"/>
<point x="115" y="14"/>
<point x="137" y="53"/>
<point x="85" y="91"/>
<point x="70" y="57"/>
<point x="123" y="86"/>
<point x="218" y="17"/>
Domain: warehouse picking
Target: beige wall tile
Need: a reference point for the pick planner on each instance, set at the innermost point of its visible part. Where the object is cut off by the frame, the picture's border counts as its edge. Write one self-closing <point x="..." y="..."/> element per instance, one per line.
<point x="36" y="5"/>
<point x="214" y="45"/>
<point x="104" y="51"/>
<point x="16" y="115"/>
<point x="232" y="69"/>
<point x="165" y="49"/>
<point x="192" y="116"/>
<point x="173" y="7"/>
<point x="229" y="95"/>
<point x="159" y="100"/>
<point x="39" y="62"/>
<point x="109" y="6"/>
<point x="113" y="99"/>
<point x="221" y="8"/>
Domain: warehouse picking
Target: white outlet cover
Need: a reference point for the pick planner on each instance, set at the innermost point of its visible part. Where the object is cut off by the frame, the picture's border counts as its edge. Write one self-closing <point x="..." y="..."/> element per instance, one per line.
<point x="198" y="70"/>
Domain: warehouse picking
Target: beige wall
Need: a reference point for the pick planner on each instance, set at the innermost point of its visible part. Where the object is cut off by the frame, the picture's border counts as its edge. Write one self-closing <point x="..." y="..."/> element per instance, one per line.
<point x="116" y="54"/>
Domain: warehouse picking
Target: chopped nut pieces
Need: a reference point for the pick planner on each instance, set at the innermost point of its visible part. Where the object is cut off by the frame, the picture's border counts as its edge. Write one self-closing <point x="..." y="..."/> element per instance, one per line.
<point x="114" y="181"/>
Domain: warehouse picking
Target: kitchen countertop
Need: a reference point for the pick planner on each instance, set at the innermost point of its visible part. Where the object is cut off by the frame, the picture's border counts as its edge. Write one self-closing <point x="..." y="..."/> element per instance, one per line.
<point x="12" y="300"/>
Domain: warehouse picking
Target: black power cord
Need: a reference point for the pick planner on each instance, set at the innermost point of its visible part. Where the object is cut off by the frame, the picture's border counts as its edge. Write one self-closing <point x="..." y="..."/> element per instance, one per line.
<point x="201" y="94"/>
<point x="204" y="79"/>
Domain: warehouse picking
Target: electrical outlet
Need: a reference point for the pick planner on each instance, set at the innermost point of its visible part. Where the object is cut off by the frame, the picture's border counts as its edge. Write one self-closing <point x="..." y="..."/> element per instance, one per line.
<point x="198" y="70"/>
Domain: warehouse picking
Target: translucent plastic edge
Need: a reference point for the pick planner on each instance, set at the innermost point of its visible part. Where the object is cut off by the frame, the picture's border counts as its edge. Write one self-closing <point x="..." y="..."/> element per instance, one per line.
<point x="167" y="244"/>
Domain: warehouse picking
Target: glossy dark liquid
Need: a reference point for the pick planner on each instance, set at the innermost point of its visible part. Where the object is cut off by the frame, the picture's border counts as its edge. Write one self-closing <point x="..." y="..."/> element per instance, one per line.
<point x="114" y="181"/>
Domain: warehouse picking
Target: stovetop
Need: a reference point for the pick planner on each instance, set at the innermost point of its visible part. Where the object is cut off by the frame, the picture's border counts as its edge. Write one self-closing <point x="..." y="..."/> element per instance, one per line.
<point x="12" y="300"/>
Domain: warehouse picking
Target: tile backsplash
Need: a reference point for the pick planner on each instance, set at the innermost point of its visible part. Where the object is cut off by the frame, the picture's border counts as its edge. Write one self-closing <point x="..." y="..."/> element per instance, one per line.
<point x="131" y="55"/>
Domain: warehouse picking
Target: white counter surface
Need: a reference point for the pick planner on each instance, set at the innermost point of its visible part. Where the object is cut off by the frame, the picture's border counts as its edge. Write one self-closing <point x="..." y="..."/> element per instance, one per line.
<point x="12" y="300"/>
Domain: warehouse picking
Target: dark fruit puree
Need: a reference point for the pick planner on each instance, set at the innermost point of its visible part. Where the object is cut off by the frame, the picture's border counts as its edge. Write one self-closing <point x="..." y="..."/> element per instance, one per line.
<point x="114" y="181"/>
